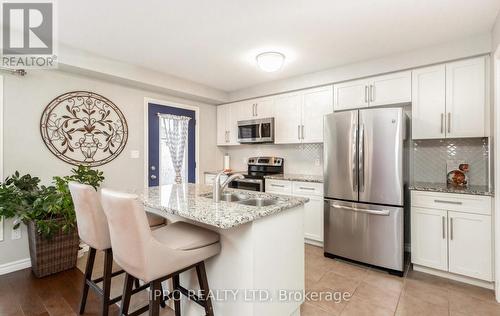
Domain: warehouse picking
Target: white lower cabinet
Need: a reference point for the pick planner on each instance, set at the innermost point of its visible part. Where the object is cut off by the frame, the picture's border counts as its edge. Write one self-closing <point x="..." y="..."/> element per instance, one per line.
<point x="452" y="233"/>
<point x="470" y="245"/>
<point x="428" y="238"/>
<point x="313" y="217"/>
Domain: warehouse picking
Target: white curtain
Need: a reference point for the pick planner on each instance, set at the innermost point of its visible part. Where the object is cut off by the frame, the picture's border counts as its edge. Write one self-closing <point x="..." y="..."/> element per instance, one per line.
<point x="174" y="135"/>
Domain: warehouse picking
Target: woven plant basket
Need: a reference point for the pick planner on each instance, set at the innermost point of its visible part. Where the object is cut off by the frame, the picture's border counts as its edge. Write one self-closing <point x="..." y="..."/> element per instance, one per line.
<point x="49" y="256"/>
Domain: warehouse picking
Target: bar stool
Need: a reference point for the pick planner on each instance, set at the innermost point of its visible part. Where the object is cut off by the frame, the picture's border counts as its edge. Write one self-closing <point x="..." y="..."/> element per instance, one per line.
<point x="155" y="256"/>
<point x="93" y="230"/>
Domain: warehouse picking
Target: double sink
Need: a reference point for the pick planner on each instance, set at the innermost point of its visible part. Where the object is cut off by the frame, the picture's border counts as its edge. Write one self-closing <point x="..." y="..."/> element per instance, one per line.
<point x="244" y="199"/>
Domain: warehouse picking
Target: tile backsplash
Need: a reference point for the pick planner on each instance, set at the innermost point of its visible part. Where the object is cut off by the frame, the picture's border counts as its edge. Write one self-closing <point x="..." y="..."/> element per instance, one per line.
<point x="299" y="158"/>
<point x="428" y="159"/>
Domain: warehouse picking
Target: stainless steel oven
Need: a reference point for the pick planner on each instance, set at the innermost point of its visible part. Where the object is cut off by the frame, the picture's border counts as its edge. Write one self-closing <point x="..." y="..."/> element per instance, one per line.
<point x="258" y="168"/>
<point x="248" y="184"/>
<point x="256" y="131"/>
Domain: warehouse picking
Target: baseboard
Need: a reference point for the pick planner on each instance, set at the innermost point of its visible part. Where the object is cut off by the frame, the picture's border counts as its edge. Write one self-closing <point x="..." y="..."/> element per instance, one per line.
<point x="15" y="266"/>
<point x="455" y="277"/>
<point x="313" y="242"/>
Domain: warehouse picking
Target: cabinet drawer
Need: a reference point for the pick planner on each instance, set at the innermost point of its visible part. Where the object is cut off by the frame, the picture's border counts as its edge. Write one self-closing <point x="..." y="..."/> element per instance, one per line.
<point x="279" y="186"/>
<point x="307" y="188"/>
<point x="466" y="203"/>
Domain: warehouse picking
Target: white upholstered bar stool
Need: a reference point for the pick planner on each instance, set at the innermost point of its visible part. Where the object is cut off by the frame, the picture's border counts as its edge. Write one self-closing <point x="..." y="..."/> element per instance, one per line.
<point x="93" y="230"/>
<point x="155" y="256"/>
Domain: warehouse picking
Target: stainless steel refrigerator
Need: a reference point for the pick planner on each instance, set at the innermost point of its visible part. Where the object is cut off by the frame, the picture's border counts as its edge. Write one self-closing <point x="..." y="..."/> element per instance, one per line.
<point x="363" y="185"/>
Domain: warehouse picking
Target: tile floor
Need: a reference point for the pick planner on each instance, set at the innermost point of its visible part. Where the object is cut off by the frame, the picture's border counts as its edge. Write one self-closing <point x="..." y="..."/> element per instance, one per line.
<point x="374" y="292"/>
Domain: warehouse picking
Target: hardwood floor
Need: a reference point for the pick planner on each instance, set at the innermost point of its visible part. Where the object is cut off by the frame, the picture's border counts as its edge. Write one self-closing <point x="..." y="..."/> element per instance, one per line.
<point x="21" y="293"/>
<point x="373" y="292"/>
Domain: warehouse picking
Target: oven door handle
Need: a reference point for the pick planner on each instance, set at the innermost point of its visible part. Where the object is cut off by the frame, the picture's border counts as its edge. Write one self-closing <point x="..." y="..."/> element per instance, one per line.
<point x="248" y="180"/>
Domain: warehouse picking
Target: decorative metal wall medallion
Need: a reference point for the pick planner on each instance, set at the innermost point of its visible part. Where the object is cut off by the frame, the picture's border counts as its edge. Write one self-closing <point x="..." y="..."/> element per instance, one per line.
<point x="84" y="128"/>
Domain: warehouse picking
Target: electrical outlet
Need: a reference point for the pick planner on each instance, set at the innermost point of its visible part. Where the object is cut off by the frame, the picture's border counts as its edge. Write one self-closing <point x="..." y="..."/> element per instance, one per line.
<point x="1" y="228"/>
<point x="16" y="233"/>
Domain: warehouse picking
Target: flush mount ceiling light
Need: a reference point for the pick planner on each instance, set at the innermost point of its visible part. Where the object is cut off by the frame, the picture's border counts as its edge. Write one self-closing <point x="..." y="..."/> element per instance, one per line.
<point x="270" y="61"/>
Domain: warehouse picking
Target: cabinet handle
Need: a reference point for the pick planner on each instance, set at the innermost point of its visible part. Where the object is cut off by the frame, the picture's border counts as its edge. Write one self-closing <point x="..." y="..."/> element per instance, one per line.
<point x="449" y="122"/>
<point x="256" y="109"/>
<point x="442" y="123"/>
<point x="451" y="228"/>
<point x="302" y="132"/>
<point x="372" y="93"/>
<point x="298" y="131"/>
<point x="448" y="202"/>
<point x="253" y="109"/>
<point x="443" y="228"/>
<point x="306" y="188"/>
<point x="278" y="185"/>
<point x="227" y="136"/>
<point x="366" y="94"/>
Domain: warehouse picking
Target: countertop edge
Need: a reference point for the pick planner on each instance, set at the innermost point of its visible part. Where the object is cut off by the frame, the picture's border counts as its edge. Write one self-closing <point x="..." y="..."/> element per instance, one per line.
<point x="453" y="191"/>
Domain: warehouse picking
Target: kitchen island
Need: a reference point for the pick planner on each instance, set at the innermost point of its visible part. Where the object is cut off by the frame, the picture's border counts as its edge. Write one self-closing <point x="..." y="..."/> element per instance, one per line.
<point x="260" y="269"/>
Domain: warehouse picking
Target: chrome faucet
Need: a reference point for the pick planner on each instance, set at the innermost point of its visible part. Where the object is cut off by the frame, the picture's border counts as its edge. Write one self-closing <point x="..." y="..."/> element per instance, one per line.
<point x="219" y="188"/>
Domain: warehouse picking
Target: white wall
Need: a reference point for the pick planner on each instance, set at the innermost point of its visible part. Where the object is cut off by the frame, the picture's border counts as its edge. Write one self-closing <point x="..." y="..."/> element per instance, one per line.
<point x="480" y="44"/>
<point x="26" y="97"/>
<point x="495" y="34"/>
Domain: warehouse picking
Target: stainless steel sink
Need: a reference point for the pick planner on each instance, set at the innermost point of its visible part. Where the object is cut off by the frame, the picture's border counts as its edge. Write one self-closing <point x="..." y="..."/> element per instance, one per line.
<point x="230" y="197"/>
<point x="258" y="202"/>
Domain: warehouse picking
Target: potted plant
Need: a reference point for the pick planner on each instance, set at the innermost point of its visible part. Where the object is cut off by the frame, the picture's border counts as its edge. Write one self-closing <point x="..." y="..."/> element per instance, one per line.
<point x="49" y="214"/>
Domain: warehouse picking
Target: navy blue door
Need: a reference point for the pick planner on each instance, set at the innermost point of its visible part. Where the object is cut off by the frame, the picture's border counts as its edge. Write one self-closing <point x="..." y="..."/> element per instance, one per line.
<point x="154" y="141"/>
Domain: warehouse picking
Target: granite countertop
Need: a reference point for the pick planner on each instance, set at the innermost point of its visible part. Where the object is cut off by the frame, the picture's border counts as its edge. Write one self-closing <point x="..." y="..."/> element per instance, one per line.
<point x="189" y="201"/>
<point x="442" y="187"/>
<point x="296" y="177"/>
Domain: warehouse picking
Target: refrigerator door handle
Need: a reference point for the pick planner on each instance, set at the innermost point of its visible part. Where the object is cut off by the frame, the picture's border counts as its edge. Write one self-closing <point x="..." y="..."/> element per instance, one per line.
<point x="361" y="152"/>
<point x="368" y="211"/>
<point x="353" y="160"/>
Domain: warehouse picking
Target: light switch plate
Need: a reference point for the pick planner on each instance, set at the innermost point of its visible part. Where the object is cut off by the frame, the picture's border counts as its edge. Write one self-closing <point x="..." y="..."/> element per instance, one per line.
<point x="16" y="233"/>
<point x="134" y="154"/>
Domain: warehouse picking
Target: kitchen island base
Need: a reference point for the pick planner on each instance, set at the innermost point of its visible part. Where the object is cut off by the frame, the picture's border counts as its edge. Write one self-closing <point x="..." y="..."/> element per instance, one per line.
<point x="260" y="270"/>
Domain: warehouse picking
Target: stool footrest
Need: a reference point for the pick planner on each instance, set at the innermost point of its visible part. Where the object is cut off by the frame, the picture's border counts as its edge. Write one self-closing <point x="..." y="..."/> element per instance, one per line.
<point x="98" y="280"/>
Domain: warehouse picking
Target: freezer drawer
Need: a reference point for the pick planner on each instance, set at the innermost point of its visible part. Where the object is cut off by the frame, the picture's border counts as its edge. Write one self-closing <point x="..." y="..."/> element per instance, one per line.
<point x="372" y="234"/>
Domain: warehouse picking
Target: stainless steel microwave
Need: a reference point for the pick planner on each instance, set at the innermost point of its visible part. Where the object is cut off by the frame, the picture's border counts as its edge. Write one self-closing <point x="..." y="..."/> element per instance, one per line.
<point x="256" y="131"/>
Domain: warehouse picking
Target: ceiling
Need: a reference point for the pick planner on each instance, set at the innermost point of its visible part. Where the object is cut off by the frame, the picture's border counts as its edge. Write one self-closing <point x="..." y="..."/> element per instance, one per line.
<point x="215" y="42"/>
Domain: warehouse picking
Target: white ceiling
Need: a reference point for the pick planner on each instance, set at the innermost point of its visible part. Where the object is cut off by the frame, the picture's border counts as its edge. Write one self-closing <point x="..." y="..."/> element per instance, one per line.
<point x="215" y="42"/>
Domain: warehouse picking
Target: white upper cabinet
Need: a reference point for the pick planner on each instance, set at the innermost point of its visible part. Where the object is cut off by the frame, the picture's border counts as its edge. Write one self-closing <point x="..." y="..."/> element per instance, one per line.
<point x="287" y="120"/>
<point x="264" y="107"/>
<point x="350" y="95"/>
<point x="466" y="98"/>
<point x="388" y="89"/>
<point x="298" y="116"/>
<point x="222" y="116"/>
<point x="450" y="100"/>
<point x="429" y="99"/>
<point x="227" y="124"/>
<point x="256" y="108"/>
<point x="316" y="103"/>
